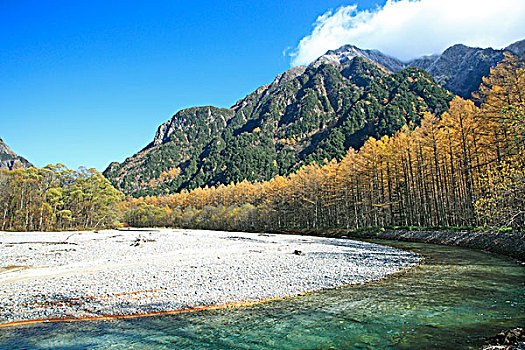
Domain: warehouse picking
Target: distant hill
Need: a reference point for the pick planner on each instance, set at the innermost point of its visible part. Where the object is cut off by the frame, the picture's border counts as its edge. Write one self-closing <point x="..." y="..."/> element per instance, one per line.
<point x="10" y="160"/>
<point x="306" y="114"/>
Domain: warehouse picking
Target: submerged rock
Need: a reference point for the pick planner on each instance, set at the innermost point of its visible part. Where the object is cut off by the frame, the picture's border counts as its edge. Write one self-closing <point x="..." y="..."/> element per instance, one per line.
<point x="511" y="339"/>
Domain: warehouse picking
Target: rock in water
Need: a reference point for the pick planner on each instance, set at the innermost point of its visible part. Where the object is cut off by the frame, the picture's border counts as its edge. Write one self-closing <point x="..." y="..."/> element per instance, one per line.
<point x="511" y="339"/>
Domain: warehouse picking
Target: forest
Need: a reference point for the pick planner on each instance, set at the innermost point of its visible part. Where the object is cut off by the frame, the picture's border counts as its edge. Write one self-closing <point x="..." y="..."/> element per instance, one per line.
<point x="462" y="168"/>
<point x="57" y="198"/>
<point x="465" y="167"/>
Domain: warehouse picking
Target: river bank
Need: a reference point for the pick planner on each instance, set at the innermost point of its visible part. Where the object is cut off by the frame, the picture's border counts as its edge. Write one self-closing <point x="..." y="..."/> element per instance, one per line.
<point x="75" y="275"/>
<point x="511" y="244"/>
<point x="456" y="299"/>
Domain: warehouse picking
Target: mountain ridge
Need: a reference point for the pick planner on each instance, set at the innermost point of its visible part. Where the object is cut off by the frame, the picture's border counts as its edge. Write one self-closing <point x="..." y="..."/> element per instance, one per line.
<point x="459" y="68"/>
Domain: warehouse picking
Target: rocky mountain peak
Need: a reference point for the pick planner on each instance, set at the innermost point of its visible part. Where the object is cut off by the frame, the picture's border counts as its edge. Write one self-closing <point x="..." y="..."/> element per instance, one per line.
<point x="280" y="80"/>
<point x="4" y="149"/>
<point x="185" y="121"/>
<point x="347" y="53"/>
<point x="517" y="48"/>
<point x="290" y="74"/>
<point x="10" y="160"/>
<point x="458" y="49"/>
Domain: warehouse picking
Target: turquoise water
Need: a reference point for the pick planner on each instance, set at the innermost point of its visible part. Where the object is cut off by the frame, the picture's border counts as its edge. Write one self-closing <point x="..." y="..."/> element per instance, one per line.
<point x="453" y="301"/>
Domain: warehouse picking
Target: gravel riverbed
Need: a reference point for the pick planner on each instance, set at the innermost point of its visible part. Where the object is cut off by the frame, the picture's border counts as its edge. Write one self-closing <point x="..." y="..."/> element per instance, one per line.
<point x="47" y="275"/>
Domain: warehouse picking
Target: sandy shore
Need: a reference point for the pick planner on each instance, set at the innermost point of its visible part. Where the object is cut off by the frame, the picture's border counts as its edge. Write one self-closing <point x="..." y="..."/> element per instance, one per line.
<point x="88" y="274"/>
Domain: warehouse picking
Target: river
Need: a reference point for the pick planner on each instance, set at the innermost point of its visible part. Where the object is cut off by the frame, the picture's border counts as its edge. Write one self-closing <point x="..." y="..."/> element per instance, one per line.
<point x="454" y="300"/>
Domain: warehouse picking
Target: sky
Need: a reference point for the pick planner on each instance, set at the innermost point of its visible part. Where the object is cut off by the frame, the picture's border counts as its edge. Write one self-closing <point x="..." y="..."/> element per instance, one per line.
<point x="85" y="83"/>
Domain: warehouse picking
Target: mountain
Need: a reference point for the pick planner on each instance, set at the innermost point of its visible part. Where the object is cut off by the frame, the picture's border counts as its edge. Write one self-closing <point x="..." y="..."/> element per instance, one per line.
<point x="306" y="114"/>
<point x="10" y="160"/>
<point x="459" y="68"/>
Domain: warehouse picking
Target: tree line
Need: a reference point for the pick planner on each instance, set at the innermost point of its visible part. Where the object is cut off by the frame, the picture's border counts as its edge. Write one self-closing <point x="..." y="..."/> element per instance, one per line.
<point x="463" y="168"/>
<point x="57" y="198"/>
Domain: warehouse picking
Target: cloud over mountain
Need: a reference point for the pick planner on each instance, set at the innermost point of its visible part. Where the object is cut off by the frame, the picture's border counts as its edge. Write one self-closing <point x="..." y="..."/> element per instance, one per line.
<point x="406" y="29"/>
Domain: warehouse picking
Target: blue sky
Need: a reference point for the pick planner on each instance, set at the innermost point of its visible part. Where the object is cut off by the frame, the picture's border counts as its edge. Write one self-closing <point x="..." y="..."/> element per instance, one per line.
<point x="88" y="82"/>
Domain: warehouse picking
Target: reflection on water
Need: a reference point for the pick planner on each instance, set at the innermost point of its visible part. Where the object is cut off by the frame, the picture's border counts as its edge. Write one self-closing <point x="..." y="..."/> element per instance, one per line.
<point x="455" y="300"/>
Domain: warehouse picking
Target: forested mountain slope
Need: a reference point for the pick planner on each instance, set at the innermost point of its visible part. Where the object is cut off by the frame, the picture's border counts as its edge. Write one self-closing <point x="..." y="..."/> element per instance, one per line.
<point x="465" y="168"/>
<point x="307" y="114"/>
<point x="9" y="160"/>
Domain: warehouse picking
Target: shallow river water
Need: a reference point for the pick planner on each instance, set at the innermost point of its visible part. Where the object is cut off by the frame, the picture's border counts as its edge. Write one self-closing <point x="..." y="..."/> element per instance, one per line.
<point x="454" y="300"/>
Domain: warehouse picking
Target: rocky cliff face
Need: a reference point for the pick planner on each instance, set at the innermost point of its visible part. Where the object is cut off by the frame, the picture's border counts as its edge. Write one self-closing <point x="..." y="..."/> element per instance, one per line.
<point x="9" y="160"/>
<point x="193" y="125"/>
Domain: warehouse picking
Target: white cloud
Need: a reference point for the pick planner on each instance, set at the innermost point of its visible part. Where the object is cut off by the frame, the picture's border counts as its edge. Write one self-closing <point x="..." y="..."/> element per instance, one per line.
<point x="410" y="28"/>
